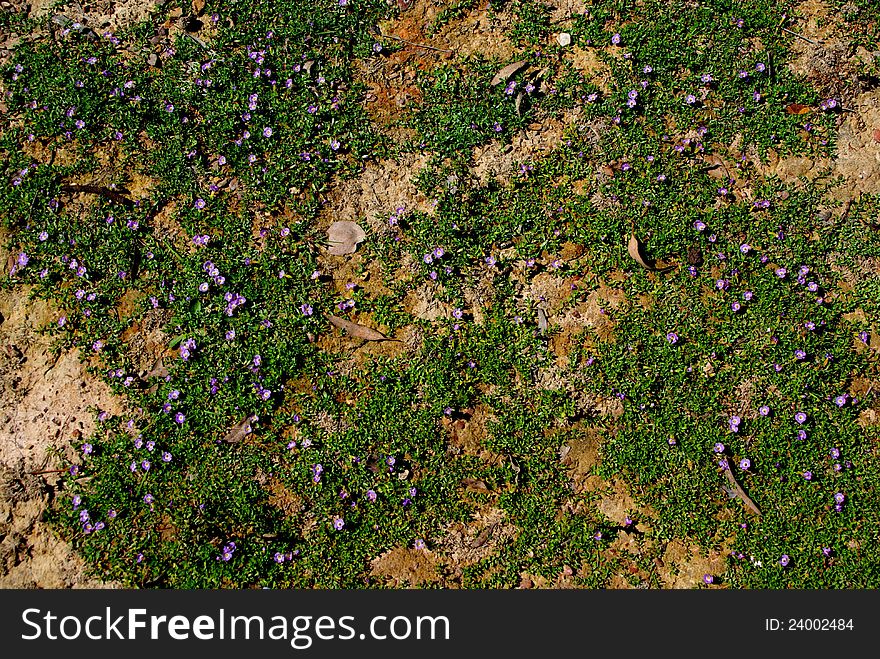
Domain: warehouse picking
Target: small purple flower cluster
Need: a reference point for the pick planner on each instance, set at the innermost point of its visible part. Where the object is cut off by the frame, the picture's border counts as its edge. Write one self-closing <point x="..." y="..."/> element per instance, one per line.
<point x="280" y="557"/>
<point x="233" y="301"/>
<point x="187" y="348"/>
<point x="226" y="552"/>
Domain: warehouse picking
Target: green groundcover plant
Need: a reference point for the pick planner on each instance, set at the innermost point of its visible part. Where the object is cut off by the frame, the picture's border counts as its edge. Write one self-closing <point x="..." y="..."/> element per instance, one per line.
<point x="255" y="455"/>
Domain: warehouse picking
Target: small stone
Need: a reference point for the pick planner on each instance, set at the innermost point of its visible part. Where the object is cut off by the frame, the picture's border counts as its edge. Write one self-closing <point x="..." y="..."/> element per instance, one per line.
<point x="153" y="59"/>
<point x="564" y="39"/>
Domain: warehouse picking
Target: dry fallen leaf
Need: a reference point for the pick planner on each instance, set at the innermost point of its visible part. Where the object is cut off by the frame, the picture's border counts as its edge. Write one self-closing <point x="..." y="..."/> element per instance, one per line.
<point x="636" y="251"/>
<point x="797" y="108"/>
<point x="344" y="237"/>
<point x="355" y="330"/>
<point x="504" y="74"/>
<point x="240" y="430"/>
<point x="741" y="493"/>
<point x="158" y="370"/>
<point x="543" y="324"/>
<point x="475" y="484"/>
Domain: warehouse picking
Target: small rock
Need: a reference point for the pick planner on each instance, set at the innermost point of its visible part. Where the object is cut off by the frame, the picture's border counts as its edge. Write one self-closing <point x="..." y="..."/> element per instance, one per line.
<point x="153" y="59"/>
<point x="564" y="39"/>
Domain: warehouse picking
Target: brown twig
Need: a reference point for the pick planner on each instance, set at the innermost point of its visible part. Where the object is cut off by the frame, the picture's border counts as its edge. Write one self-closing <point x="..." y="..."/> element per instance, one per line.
<point x="46" y="471"/>
<point x="800" y="36"/>
<point x="99" y="190"/>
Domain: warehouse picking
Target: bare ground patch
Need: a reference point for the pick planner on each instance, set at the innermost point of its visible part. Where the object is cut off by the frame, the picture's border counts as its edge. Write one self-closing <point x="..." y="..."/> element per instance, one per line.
<point x="46" y="403"/>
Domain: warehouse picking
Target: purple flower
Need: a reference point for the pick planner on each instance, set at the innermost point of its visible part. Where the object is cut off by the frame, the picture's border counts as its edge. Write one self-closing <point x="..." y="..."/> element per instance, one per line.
<point x="708" y="579"/>
<point x="371" y="495"/>
<point x="179" y="418"/>
<point x="800" y="355"/>
<point x="781" y="272"/>
<point x="672" y="337"/>
<point x="784" y="560"/>
<point x="764" y="410"/>
<point x="615" y="39"/>
<point x="808" y="475"/>
<point x="745" y="464"/>
<point x="839" y="497"/>
<point x="719" y="447"/>
<point x="800" y="417"/>
<point x="149" y="498"/>
<point x="338" y="523"/>
<point x="166" y="457"/>
<point x="267" y="132"/>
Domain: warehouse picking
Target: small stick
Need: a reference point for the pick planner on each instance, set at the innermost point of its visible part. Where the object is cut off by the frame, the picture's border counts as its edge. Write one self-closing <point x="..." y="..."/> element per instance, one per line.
<point x="800" y="36"/>
<point x="46" y="471"/>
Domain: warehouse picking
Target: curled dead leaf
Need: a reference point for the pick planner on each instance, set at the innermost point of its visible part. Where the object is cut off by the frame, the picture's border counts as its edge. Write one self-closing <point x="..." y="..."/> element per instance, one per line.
<point x="504" y="74"/>
<point x="637" y="251"/>
<point x="158" y="370"/>
<point x="344" y="237"/>
<point x="240" y="430"/>
<point x="355" y="330"/>
<point x="543" y="323"/>
<point x="475" y="484"/>
<point x="797" y="108"/>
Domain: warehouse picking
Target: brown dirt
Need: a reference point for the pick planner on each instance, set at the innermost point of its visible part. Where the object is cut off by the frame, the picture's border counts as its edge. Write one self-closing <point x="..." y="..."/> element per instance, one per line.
<point x="467" y="431"/>
<point x="498" y="161"/>
<point x="114" y="14"/>
<point x="406" y="568"/>
<point x="45" y="404"/>
<point x="377" y="192"/>
<point x="462" y="545"/>
<point x="684" y="564"/>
